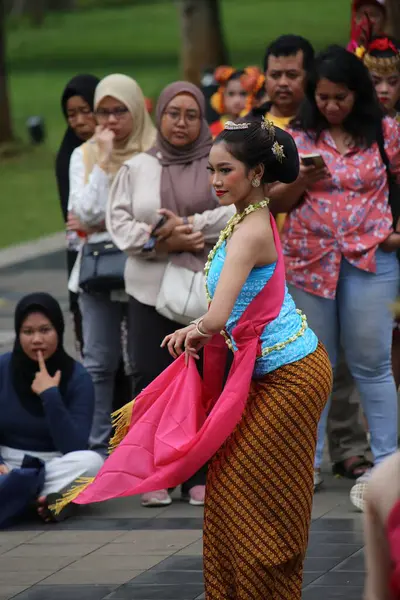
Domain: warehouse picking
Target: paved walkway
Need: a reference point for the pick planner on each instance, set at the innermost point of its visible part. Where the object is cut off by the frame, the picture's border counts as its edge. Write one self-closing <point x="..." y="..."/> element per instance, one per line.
<point x="119" y="550"/>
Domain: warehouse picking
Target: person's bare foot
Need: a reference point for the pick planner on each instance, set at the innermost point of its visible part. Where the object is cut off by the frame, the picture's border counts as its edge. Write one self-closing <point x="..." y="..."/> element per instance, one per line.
<point x="47" y="514"/>
<point x="352" y="467"/>
<point x="43" y="509"/>
<point x="349" y="465"/>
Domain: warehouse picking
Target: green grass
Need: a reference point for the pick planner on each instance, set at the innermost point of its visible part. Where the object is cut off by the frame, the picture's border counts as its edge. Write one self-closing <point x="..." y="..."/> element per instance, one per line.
<point x="141" y="41"/>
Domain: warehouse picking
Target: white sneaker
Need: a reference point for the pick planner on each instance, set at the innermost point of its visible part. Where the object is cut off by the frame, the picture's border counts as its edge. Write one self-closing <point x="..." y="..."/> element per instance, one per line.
<point x="318" y="481"/>
<point x="158" y="498"/>
<point x="357" y="492"/>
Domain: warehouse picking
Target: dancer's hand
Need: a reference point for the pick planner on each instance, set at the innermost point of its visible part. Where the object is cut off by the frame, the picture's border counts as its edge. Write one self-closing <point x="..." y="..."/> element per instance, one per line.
<point x="176" y="341"/>
<point x="4" y="470"/>
<point x="194" y="343"/>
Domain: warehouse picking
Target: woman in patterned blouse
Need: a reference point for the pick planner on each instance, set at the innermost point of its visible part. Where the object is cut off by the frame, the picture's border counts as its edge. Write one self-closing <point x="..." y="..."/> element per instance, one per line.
<point x="339" y="243"/>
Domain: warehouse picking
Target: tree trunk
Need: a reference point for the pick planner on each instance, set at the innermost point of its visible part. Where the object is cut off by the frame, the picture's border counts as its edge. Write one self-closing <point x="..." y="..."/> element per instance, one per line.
<point x="393" y="7"/>
<point x="6" y="134"/>
<point x="202" y="37"/>
<point x="37" y="12"/>
<point x="63" y="5"/>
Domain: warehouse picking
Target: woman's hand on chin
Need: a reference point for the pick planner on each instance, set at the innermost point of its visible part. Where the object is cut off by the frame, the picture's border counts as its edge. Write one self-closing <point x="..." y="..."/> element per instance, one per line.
<point x="43" y="381"/>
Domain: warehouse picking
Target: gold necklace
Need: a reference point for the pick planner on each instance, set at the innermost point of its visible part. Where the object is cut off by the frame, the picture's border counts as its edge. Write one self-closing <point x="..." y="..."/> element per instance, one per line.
<point x="227" y="232"/>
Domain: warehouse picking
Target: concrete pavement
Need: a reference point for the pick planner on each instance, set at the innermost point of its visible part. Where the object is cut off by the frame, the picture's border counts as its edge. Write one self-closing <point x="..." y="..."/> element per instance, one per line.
<point x="119" y="550"/>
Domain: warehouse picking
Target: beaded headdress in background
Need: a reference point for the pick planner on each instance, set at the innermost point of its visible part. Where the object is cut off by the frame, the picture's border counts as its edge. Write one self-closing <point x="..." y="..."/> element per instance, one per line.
<point x="382" y="65"/>
<point x="252" y="81"/>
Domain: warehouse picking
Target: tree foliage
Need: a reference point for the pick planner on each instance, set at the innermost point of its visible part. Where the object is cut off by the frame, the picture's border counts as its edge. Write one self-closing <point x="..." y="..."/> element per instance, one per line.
<point x="6" y="134"/>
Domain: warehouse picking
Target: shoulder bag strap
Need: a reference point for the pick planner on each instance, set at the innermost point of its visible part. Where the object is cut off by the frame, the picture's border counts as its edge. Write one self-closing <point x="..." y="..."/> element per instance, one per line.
<point x="380" y="140"/>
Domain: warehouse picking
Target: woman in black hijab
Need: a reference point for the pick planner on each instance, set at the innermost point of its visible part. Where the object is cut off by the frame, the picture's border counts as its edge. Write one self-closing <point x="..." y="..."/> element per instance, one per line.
<point x="77" y="106"/>
<point x="46" y="401"/>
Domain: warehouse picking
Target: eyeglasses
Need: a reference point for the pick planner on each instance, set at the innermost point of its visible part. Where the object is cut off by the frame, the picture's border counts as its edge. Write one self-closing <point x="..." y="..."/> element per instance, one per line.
<point x="105" y="113"/>
<point x="189" y="117"/>
<point x="73" y="114"/>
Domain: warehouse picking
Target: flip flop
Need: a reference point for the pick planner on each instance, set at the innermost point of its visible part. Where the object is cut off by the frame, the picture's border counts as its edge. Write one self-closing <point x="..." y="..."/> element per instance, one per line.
<point x="47" y="514"/>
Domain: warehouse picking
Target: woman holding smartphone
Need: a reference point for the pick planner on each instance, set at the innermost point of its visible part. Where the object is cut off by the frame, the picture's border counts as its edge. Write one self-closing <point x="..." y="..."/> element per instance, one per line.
<point x="163" y="212"/>
<point x="339" y="244"/>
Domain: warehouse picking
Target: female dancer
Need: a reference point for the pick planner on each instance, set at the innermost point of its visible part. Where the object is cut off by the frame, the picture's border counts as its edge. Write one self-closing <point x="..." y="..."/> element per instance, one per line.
<point x="236" y="94"/>
<point x="382" y="59"/>
<point x="256" y="525"/>
<point x="261" y="430"/>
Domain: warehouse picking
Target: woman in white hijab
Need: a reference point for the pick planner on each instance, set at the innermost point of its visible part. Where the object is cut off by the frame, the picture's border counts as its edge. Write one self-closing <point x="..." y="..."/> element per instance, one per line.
<point x="124" y="129"/>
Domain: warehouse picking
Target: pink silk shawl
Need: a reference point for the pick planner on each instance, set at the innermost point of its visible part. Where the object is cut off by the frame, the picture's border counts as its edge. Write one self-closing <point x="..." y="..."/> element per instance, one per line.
<point x="180" y="421"/>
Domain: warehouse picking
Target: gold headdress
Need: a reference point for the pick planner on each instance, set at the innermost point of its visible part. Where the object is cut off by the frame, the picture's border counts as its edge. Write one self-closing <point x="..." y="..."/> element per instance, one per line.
<point x="277" y="148"/>
<point x="384" y="65"/>
<point x="231" y="126"/>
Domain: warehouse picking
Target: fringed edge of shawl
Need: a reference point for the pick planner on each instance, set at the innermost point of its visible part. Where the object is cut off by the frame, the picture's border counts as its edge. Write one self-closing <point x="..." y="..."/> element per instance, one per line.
<point x="121" y="421"/>
<point x="71" y="494"/>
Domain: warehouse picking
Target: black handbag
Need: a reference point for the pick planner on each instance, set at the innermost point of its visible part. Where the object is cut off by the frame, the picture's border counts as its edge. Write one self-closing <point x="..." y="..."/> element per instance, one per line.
<point x="102" y="267"/>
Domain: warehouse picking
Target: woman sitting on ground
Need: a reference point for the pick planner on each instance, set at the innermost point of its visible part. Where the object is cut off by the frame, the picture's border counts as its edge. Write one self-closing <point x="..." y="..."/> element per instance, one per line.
<point x="46" y="401"/>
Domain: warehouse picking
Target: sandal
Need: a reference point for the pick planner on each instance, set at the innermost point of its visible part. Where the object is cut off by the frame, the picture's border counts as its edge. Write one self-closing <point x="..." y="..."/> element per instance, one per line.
<point x="352" y="470"/>
<point x="47" y="514"/>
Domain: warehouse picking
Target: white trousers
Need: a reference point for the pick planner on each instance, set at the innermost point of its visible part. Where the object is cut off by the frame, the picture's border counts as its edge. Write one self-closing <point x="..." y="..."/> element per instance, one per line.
<point x="61" y="469"/>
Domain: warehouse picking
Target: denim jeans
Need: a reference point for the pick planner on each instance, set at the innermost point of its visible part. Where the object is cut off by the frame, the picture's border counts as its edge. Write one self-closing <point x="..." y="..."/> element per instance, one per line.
<point x="360" y="319"/>
<point x="101" y="319"/>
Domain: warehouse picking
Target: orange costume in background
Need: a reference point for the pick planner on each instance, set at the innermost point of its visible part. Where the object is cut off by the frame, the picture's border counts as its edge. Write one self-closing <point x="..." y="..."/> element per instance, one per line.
<point x="252" y="81"/>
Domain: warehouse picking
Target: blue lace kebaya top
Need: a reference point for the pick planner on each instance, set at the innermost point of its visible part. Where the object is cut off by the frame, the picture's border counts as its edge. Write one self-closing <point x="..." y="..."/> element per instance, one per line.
<point x="290" y="324"/>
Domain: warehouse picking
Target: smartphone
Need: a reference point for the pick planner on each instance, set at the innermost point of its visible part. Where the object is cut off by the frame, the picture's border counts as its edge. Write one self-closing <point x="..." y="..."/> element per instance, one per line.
<point x="159" y="224"/>
<point x="151" y="242"/>
<point x="313" y="159"/>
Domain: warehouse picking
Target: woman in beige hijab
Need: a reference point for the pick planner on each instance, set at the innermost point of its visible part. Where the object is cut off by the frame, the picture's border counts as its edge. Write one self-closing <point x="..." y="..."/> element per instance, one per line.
<point x="124" y="129"/>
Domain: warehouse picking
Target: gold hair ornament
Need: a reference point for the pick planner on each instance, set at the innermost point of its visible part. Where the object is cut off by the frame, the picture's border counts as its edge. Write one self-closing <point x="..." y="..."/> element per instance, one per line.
<point x="268" y="126"/>
<point x="278" y="151"/>
<point x="231" y="126"/>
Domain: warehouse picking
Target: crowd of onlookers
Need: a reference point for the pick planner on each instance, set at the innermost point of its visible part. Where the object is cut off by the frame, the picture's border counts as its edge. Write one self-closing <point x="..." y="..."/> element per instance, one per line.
<point x="141" y="217"/>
